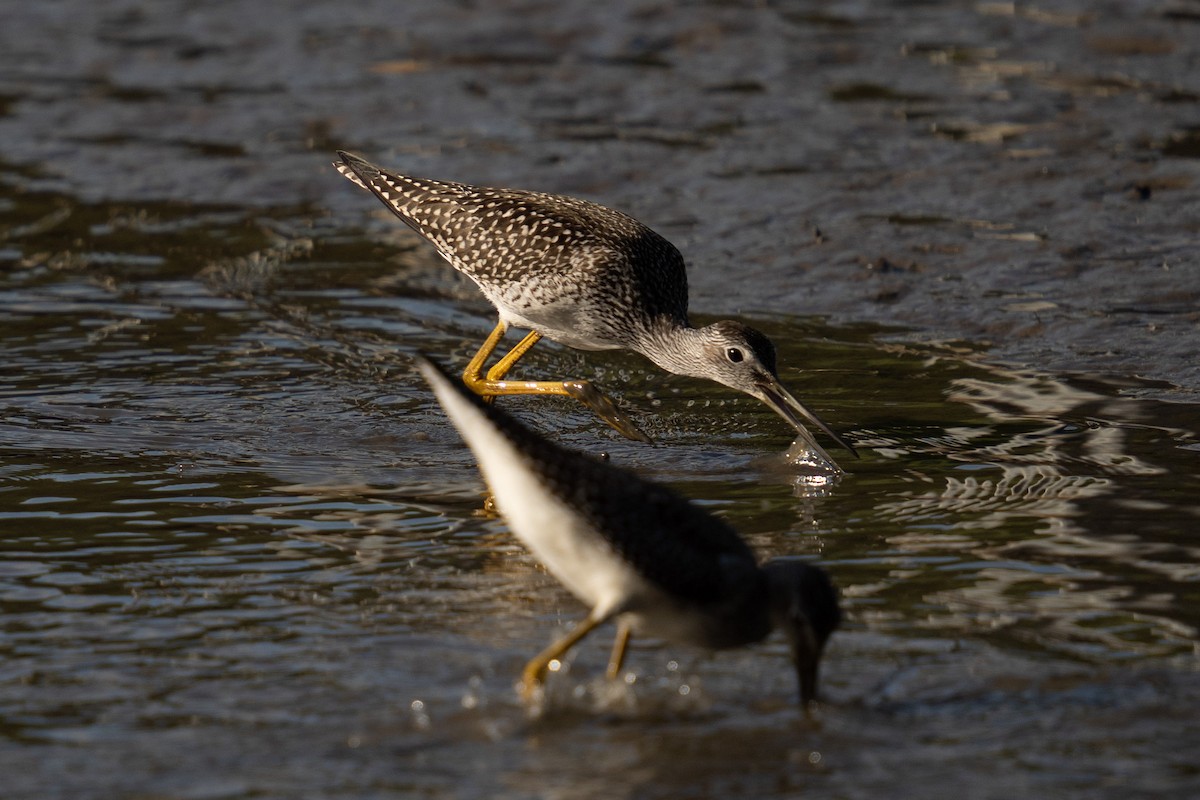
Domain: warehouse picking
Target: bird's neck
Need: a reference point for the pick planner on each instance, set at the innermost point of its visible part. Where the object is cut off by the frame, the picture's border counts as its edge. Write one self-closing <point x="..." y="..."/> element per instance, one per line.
<point x="675" y="347"/>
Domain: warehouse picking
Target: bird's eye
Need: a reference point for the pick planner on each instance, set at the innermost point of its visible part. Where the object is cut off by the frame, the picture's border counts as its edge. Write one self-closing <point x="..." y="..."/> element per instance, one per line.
<point x="734" y="355"/>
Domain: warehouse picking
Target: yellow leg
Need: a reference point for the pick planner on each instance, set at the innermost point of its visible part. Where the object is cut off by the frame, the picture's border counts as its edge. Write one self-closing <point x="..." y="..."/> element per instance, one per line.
<point x="473" y="374"/>
<point x="535" y="670"/>
<point x="617" y="659"/>
<point x="502" y="366"/>
<point x="493" y="385"/>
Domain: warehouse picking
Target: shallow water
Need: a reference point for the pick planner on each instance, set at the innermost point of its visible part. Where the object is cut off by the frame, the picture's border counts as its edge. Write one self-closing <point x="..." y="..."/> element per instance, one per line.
<point x="243" y="553"/>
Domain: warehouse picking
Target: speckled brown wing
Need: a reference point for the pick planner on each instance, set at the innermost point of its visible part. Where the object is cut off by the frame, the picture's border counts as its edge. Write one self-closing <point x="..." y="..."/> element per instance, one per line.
<point x="531" y="250"/>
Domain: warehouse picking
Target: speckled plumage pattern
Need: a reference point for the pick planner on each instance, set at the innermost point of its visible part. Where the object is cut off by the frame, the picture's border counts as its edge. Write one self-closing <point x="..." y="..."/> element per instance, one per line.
<point x="581" y="274"/>
<point x="585" y="276"/>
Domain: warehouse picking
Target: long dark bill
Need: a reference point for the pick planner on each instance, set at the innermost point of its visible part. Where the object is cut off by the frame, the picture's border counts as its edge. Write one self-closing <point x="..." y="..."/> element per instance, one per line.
<point x="781" y="401"/>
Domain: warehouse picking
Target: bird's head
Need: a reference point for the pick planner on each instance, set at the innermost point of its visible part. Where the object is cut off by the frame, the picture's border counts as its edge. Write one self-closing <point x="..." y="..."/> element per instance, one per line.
<point x="804" y="605"/>
<point x="741" y="358"/>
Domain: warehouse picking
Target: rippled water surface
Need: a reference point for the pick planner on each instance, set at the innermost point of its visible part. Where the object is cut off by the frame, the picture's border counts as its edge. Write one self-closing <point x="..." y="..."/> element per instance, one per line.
<point x="242" y="552"/>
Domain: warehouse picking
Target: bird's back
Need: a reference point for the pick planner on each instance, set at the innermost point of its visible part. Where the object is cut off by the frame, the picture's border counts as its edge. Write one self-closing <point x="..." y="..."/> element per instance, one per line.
<point x="541" y="255"/>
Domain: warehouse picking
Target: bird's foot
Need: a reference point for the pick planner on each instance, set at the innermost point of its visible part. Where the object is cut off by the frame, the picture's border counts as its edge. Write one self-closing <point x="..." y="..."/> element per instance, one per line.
<point x="490" y="510"/>
<point x="605" y="408"/>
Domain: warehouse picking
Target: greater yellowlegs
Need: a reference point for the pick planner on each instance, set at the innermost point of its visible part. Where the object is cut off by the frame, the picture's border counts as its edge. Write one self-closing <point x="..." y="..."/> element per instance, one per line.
<point x="635" y="551"/>
<point x="583" y="275"/>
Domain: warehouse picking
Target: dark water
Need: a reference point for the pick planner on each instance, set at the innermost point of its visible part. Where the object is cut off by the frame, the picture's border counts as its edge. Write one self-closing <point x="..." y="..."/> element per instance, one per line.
<point x="241" y="550"/>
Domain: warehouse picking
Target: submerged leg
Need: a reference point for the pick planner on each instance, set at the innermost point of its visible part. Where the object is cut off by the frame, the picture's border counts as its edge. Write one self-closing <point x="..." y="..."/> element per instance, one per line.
<point x="535" y="670"/>
<point x="617" y="659"/>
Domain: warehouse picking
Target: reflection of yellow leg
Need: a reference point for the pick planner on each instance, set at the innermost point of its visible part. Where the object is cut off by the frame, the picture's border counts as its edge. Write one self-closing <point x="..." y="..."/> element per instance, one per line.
<point x="535" y="670"/>
<point x="617" y="659"/>
<point x="494" y="385"/>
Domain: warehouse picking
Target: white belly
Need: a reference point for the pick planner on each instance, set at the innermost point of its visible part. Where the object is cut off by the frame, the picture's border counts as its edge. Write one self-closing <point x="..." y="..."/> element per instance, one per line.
<point x="559" y="539"/>
<point x="562" y="327"/>
<point x="555" y="534"/>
